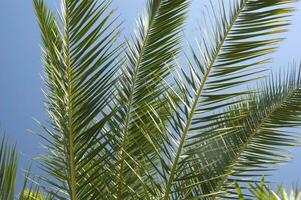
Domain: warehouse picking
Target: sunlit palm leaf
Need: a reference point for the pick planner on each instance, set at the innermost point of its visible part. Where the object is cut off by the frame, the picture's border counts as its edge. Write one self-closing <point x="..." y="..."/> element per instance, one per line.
<point x="257" y="147"/>
<point x="232" y="58"/>
<point x="80" y="53"/>
<point x="149" y="58"/>
<point x="147" y="134"/>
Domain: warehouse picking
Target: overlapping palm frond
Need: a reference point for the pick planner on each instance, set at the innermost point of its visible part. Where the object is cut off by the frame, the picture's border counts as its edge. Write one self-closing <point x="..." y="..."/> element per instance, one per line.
<point x="232" y="58"/>
<point x="126" y="128"/>
<point x="257" y="146"/>
<point x="80" y="52"/>
<point x="8" y="170"/>
<point x="149" y="59"/>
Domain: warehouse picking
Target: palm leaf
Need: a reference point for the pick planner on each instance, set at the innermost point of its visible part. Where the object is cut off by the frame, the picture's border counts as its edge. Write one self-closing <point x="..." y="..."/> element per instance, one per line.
<point x="79" y="53"/>
<point x="232" y="58"/>
<point x="149" y="58"/>
<point x="257" y="146"/>
<point x="141" y="131"/>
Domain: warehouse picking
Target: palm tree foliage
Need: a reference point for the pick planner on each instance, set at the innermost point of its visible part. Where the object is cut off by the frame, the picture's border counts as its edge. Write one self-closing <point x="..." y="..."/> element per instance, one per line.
<point x="139" y="120"/>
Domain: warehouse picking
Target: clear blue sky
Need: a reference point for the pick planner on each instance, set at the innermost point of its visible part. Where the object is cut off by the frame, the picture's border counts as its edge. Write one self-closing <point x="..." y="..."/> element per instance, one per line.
<point x="20" y="83"/>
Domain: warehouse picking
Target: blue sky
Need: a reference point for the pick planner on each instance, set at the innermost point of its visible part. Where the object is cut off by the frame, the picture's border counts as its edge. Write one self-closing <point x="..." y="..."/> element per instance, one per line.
<point x="20" y="81"/>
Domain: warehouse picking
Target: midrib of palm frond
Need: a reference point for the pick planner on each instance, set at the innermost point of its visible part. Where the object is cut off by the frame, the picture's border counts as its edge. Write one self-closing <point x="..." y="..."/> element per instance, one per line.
<point x="130" y="102"/>
<point x="158" y="10"/>
<point x="196" y="101"/>
<point x="253" y="134"/>
<point x="70" y="106"/>
<point x="79" y="55"/>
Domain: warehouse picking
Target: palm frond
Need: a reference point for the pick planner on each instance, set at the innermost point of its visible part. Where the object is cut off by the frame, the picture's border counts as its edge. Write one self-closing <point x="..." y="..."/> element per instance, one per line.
<point x="232" y="58"/>
<point x="256" y="147"/>
<point x="134" y="128"/>
<point x="149" y="59"/>
<point x="80" y="49"/>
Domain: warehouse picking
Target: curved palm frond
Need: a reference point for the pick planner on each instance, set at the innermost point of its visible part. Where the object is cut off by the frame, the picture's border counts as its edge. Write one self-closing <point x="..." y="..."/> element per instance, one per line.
<point x="79" y="57"/>
<point x="231" y="59"/>
<point x="256" y="147"/>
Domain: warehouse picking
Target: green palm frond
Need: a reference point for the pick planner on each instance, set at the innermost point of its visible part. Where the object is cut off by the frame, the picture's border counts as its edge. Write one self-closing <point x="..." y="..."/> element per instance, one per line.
<point x="256" y="147"/>
<point x="149" y="59"/>
<point x="232" y="58"/>
<point x="80" y="50"/>
<point x="144" y="125"/>
<point x="8" y="170"/>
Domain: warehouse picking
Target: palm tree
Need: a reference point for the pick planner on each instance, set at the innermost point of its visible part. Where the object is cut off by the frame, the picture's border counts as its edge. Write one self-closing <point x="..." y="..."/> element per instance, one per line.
<point x="147" y="119"/>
